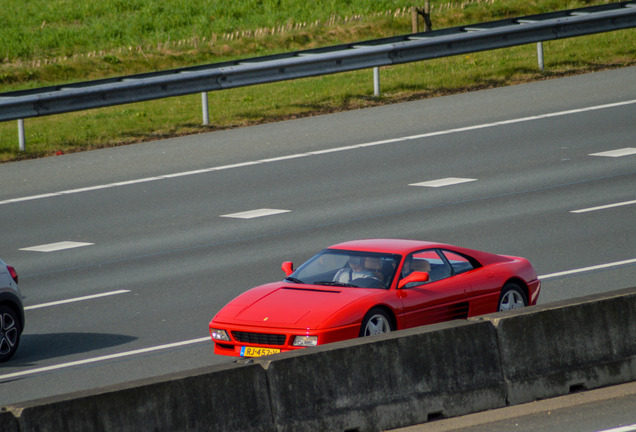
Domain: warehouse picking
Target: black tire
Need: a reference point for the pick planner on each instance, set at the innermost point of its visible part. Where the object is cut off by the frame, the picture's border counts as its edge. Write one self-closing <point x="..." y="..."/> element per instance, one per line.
<point x="10" y="331"/>
<point x="512" y="297"/>
<point x="376" y="321"/>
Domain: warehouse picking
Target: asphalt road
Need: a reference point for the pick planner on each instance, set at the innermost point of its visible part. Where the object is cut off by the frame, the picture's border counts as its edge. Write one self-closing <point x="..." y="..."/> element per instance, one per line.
<point x="156" y="247"/>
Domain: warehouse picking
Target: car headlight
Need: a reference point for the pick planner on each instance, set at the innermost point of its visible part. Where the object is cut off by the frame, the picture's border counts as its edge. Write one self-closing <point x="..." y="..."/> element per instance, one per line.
<point x="218" y="334"/>
<point x="305" y="341"/>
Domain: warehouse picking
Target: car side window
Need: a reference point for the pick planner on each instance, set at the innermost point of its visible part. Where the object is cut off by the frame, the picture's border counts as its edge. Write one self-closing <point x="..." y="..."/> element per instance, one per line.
<point x="459" y="263"/>
<point x="428" y="261"/>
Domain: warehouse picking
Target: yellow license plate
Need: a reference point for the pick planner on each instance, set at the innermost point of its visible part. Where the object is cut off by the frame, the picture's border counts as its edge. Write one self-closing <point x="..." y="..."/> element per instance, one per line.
<point x="257" y="352"/>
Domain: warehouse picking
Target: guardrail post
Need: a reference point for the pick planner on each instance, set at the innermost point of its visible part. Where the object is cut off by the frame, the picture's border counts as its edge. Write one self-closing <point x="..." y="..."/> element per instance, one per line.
<point x="540" y="55"/>
<point x="204" y="104"/>
<point x="376" y="81"/>
<point x="21" y="134"/>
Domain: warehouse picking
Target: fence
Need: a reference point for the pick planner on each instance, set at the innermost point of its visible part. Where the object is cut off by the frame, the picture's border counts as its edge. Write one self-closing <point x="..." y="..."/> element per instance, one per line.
<point x="321" y="61"/>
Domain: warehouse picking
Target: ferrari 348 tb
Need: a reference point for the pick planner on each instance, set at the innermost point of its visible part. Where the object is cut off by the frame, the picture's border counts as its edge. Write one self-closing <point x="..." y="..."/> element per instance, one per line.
<point x="365" y="287"/>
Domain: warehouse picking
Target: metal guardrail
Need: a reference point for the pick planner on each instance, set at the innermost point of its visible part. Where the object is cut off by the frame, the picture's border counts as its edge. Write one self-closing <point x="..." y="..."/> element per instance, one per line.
<point x="322" y="61"/>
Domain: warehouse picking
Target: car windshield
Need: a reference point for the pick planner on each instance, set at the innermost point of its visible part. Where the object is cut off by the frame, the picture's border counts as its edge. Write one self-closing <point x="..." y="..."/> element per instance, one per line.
<point x="336" y="267"/>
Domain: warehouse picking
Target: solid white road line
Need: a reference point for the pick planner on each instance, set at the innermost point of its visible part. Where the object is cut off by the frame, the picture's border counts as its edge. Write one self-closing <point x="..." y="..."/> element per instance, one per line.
<point x="76" y="299"/>
<point x="106" y="357"/>
<point x="604" y="207"/>
<point x="587" y="269"/>
<point x="320" y="152"/>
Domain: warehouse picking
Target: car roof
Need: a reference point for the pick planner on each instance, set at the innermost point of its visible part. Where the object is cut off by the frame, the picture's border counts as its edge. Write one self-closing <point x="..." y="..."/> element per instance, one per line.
<point x="399" y="246"/>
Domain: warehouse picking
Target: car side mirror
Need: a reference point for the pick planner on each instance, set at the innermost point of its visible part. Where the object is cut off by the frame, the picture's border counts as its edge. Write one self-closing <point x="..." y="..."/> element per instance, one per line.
<point x="416" y="276"/>
<point x="288" y="267"/>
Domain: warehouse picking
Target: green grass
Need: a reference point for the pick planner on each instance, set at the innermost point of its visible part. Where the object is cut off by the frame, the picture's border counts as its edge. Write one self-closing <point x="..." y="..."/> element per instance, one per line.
<point x="57" y="41"/>
<point x="50" y="28"/>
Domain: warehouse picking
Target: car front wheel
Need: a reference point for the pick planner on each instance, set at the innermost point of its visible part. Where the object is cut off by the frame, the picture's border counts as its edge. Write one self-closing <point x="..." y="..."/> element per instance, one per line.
<point x="9" y="333"/>
<point x="376" y="321"/>
<point x="512" y="297"/>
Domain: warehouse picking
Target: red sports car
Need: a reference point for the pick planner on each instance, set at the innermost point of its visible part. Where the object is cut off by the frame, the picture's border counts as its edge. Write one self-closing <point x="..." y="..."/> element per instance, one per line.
<point x="366" y="287"/>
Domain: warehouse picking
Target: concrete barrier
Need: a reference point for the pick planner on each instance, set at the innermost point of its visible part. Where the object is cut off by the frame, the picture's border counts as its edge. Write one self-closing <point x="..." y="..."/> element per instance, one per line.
<point x="389" y="381"/>
<point x="223" y="398"/>
<point x="371" y="384"/>
<point x="8" y="422"/>
<point x="569" y="346"/>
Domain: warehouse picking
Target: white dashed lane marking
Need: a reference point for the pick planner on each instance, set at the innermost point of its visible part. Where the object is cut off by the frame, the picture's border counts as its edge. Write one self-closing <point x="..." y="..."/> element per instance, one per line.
<point x="76" y="299"/>
<point x="627" y="151"/>
<point x="629" y="428"/>
<point x="54" y="247"/>
<point x="443" y="182"/>
<point x="251" y="214"/>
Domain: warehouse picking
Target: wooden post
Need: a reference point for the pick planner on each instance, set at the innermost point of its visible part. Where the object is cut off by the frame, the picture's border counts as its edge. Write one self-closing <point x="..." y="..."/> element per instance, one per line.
<point x="414" y="24"/>
<point x="426" y="14"/>
<point x="428" y="26"/>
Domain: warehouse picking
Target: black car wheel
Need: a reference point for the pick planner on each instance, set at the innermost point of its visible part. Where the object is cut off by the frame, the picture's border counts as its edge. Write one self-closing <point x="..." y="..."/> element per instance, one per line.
<point x="512" y="297"/>
<point x="376" y="321"/>
<point x="9" y="333"/>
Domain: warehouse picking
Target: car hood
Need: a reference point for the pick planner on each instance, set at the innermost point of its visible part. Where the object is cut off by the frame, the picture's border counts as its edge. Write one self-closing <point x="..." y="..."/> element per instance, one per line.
<point x="289" y="306"/>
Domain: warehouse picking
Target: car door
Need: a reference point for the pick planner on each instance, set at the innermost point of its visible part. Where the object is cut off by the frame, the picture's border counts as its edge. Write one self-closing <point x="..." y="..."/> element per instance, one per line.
<point x="442" y="298"/>
<point x="484" y="288"/>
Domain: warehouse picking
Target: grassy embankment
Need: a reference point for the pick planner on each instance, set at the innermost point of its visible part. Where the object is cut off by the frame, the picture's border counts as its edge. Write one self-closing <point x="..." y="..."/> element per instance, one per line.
<point x="46" y="42"/>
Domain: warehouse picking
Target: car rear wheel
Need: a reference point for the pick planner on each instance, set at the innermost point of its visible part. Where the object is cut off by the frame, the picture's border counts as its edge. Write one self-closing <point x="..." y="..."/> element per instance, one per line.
<point x="376" y="321"/>
<point x="9" y="333"/>
<point x="512" y="297"/>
